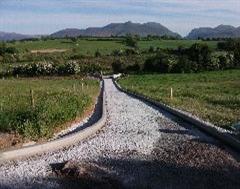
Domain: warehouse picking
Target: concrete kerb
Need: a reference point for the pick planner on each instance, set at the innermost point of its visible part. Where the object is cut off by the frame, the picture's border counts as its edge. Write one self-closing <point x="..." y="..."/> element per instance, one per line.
<point x="208" y="128"/>
<point x="58" y="143"/>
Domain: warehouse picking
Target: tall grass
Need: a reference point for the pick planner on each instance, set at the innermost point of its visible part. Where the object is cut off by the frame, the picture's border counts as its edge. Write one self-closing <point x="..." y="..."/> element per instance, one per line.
<point x="52" y="103"/>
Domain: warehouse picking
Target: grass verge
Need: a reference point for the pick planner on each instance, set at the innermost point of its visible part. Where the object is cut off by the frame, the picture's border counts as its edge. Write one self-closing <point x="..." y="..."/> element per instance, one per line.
<point x="35" y="108"/>
<point x="212" y="96"/>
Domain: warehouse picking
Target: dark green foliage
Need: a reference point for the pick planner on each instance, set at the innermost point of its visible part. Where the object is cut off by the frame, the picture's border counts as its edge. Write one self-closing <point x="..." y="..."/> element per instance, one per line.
<point x="184" y="65"/>
<point x="7" y="50"/>
<point x="117" y="66"/>
<point x="74" y="39"/>
<point x="236" y="54"/>
<point x="160" y="63"/>
<point x="117" y="53"/>
<point x="131" y="40"/>
<point x="197" y="58"/>
<point x="130" y="51"/>
<point x="228" y="45"/>
<point x="232" y="46"/>
<point x="97" y="53"/>
<point x="151" y="49"/>
<point x="201" y="54"/>
<point x="133" y="68"/>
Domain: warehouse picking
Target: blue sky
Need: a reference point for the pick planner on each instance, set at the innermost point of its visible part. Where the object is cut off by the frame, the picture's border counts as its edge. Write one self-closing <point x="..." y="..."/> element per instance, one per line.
<point x="47" y="16"/>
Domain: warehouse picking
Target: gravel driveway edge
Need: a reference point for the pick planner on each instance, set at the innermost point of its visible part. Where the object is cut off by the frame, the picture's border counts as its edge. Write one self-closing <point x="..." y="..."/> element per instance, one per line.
<point x="219" y="133"/>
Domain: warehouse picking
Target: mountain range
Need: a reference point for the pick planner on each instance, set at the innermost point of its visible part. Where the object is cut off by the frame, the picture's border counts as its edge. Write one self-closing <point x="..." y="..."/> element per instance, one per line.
<point x="221" y="31"/>
<point x="121" y="29"/>
<point x="118" y="29"/>
<point x="6" y="36"/>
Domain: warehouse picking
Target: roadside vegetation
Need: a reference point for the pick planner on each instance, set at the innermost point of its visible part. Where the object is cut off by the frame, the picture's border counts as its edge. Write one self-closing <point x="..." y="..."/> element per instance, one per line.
<point x="212" y="96"/>
<point x="94" y="53"/>
<point x="35" y="108"/>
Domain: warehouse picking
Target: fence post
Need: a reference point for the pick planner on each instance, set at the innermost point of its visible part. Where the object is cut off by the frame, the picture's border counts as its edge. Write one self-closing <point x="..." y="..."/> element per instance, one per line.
<point x="171" y="93"/>
<point x="74" y="87"/>
<point x="32" y="98"/>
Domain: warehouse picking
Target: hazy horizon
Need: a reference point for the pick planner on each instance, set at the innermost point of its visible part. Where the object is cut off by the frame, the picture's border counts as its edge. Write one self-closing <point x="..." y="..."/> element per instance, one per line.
<point x="44" y="17"/>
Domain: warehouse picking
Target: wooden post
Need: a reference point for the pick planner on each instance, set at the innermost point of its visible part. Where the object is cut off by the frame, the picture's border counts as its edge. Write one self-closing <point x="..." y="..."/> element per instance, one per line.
<point x="82" y="86"/>
<point x="32" y="98"/>
<point x="171" y="93"/>
<point x="74" y="87"/>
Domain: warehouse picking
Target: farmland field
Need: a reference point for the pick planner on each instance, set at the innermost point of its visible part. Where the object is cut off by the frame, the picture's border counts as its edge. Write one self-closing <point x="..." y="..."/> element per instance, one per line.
<point x="90" y="46"/>
<point x="212" y="96"/>
<point x="52" y="103"/>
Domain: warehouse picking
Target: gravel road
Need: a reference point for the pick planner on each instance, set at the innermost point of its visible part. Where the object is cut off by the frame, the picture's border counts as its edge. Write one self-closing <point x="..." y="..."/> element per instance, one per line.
<point x="140" y="147"/>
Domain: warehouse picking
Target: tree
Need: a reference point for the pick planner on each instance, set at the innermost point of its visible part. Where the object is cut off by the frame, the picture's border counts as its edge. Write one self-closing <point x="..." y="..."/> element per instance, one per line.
<point x="97" y="53"/>
<point x="151" y="49"/>
<point x="201" y="54"/>
<point x="158" y="63"/>
<point x="184" y="65"/>
<point x="117" y="66"/>
<point x="74" y="39"/>
<point x="236" y="54"/>
<point x="131" y="41"/>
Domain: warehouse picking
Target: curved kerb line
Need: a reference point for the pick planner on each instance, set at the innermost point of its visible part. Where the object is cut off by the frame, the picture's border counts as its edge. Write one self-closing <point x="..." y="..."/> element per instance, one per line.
<point x="58" y="143"/>
<point x="209" y="129"/>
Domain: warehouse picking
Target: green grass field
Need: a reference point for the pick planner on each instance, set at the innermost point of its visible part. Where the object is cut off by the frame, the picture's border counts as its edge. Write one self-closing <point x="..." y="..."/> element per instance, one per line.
<point x="212" y="96"/>
<point x="90" y="46"/>
<point x="54" y="102"/>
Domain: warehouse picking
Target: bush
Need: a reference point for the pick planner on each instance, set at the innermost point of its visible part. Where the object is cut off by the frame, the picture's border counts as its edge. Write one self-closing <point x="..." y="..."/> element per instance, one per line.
<point x="131" y="51"/>
<point x="133" y="68"/>
<point x="201" y="54"/>
<point x="69" y="68"/>
<point x="151" y="49"/>
<point x="35" y="69"/>
<point x="159" y="63"/>
<point x="236" y="54"/>
<point x="50" y="68"/>
<point x="97" y="53"/>
<point x="117" y="66"/>
<point x="131" y="40"/>
<point x="117" y="52"/>
<point x="184" y="65"/>
<point x="7" y="50"/>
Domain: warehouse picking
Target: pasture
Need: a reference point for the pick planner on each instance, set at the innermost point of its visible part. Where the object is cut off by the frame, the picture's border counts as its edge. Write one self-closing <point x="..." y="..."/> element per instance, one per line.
<point x="91" y="45"/>
<point x="212" y="96"/>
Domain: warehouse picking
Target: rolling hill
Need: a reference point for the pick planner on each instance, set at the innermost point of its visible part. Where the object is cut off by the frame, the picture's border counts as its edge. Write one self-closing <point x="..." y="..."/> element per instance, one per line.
<point x="118" y="29"/>
<point x="221" y="31"/>
<point x="6" y="36"/>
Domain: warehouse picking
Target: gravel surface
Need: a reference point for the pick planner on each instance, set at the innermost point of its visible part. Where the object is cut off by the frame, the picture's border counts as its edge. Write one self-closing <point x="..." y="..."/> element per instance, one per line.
<point x="140" y="147"/>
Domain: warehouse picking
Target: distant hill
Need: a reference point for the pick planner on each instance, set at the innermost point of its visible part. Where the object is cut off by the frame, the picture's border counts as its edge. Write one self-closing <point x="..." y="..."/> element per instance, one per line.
<point x="118" y="29"/>
<point x="221" y="31"/>
<point x="5" y="36"/>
